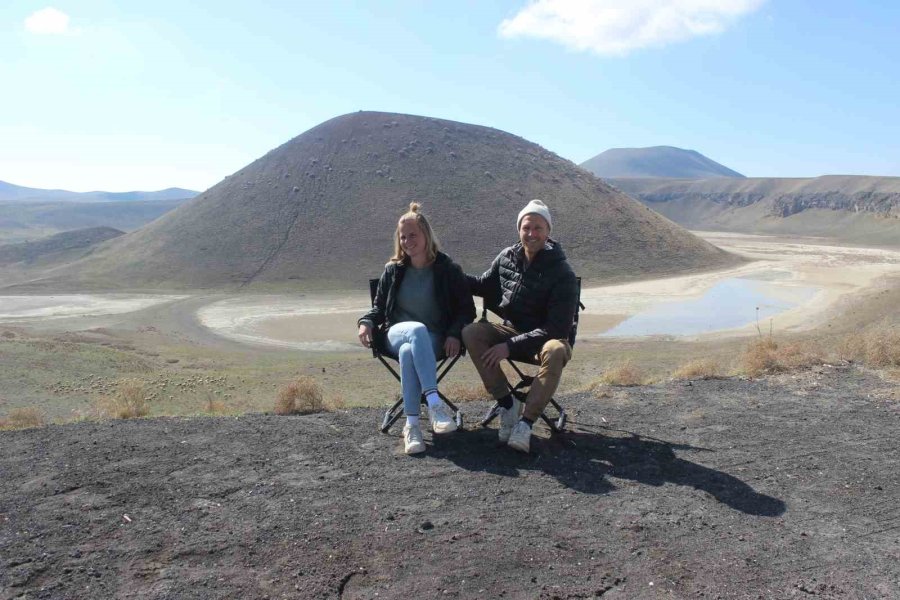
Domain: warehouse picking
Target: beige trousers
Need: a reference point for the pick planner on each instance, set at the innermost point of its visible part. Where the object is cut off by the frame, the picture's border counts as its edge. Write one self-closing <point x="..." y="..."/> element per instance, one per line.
<point x="479" y="337"/>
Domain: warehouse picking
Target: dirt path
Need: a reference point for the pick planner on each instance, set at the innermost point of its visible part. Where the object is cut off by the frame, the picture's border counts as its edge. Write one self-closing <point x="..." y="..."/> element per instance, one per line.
<point x="779" y="488"/>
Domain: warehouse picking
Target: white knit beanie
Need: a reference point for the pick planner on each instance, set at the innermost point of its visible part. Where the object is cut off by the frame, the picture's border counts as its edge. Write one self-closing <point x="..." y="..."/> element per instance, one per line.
<point x="535" y="207"/>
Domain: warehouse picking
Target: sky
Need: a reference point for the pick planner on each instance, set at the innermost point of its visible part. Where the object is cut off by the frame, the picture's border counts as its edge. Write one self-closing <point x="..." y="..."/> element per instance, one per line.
<point x="139" y="95"/>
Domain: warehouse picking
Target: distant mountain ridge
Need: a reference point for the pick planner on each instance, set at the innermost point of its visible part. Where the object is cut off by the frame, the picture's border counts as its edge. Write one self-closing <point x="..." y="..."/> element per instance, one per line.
<point x="31" y="220"/>
<point x="320" y="210"/>
<point x="16" y="193"/>
<point x="853" y="208"/>
<point x="656" y="162"/>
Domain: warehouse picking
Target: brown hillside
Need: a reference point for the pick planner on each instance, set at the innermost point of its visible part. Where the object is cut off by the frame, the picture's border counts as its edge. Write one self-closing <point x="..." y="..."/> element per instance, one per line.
<point x="320" y="211"/>
<point x="851" y="208"/>
<point x="56" y="247"/>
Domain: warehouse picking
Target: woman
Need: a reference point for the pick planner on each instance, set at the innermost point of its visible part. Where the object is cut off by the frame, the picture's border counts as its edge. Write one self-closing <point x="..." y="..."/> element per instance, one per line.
<point x="422" y="302"/>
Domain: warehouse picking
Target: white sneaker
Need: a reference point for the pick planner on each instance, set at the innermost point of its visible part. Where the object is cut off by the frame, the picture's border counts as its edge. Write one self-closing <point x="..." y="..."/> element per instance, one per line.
<point x="441" y="420"/>
<point x="508" y="419"/>
<point x="412" y="440"/>
<point x="520" y="438"/>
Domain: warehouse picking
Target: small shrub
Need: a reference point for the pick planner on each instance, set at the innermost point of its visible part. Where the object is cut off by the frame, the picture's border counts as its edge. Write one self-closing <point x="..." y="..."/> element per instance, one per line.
<point x="129" y="401"/>
<point x="624" y="374"/>
<point x="335" y="402"/>
<point x="759" y="357"/>
<point x="705" y="368"/>
<point x="23" y="418"/>
<point x="302" y="396"/>
<point x="597" y="387"/>
<point x="877" y="348"/>
<point x="883" y="349"/>
<point x="600" y="391"/>
<point x="852" y="347"/>
<point x="213" y="406"/>
<point x="798" y="356"/>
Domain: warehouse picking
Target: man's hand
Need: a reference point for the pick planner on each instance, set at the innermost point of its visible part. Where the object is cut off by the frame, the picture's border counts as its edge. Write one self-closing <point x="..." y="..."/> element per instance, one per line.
<point x="365" y="335"/>
<point x="451" y="346"/>
<point x="495" y="354"/>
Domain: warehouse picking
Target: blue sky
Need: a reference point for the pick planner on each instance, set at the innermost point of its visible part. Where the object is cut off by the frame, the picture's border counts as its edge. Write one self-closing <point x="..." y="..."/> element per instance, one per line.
<point x="145" y="95"/>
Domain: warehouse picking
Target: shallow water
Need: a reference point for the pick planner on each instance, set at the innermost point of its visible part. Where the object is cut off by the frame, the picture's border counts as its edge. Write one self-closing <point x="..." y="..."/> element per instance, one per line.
<point x="729" y="304"/>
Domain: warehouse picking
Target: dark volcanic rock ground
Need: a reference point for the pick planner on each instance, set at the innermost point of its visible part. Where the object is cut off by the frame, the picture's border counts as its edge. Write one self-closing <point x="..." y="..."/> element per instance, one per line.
<point x="779" y="488"/>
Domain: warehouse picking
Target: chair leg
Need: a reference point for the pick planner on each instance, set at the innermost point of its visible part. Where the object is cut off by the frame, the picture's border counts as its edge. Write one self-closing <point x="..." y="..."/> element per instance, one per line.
<point x="558" y="425"/>
<point x="549" y="422"/>
<point x="490" y="415"/>
<point x="392" y="415"/>
<point x="520" y="390"/>
<point x="561" y="420"/>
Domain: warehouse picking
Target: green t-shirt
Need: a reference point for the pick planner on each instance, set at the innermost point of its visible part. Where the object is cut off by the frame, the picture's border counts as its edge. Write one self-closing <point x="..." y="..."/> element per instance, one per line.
<point x="416" y="300"/>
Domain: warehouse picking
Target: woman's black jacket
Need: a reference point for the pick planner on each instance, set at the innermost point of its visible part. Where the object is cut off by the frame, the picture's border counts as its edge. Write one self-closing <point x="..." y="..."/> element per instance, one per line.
<point x="451" y="289"/>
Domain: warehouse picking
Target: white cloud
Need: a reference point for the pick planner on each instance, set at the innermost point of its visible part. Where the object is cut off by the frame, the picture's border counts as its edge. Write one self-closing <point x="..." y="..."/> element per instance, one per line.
<point x="616" y="27"/>
<point x="48" y="21"/>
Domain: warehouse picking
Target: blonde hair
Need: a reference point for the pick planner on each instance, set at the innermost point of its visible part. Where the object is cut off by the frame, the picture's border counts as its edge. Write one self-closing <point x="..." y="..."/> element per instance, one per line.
<point x="431" y="243"/>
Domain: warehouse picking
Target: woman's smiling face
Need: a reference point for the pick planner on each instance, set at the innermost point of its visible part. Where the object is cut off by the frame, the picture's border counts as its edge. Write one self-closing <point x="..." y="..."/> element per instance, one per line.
<point x="412" y="240"/>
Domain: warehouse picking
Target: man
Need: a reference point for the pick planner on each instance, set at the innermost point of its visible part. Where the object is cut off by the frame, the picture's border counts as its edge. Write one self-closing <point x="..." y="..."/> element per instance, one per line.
<point x="533" y="288"/>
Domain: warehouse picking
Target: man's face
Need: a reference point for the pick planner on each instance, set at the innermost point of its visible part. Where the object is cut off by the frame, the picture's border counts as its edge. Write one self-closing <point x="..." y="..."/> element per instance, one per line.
<point x="533" y="233"/>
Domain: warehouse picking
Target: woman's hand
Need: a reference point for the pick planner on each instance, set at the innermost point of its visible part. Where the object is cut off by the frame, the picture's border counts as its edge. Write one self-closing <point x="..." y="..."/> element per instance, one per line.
<point x="451" y="347"/>
<point x="365" y="335"/>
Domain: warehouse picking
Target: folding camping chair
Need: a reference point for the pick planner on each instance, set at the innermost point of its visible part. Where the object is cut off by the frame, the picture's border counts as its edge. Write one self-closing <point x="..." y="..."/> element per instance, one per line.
<point x="380" y="351"/>
<point x="520" y="390"/>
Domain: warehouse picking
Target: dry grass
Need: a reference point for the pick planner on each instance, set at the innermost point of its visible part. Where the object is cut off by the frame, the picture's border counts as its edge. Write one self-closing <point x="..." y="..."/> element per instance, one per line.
<point x="852" y="347"/>
<point x="461" y="392"/>
<point x="877" y="348"/>
<point x="599" y="390"/>
<point x="799" y="355"/>
<point x="764" y="355"/>
<point x="704" y="368"/>
<point x="130" y="400"/>
<point x="23" y="418"/>
<point x="335" y="402"/>
<point x="213" y="406"/>
<point x="759" y="357"/>
<point x="623" y="374"/>
<point x="883" y="349"/>
<point x="301" y="396"/>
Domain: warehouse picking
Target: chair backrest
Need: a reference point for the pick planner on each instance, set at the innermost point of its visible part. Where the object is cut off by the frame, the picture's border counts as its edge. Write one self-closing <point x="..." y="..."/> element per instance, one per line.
<point x="578" y="308"/>
<point x="373" y="289"/>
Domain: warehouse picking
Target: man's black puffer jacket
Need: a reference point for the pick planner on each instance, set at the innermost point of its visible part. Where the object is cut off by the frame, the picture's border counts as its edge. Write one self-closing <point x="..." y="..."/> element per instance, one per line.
<point x="538" y="300"/>
<point x="451" y="290"/>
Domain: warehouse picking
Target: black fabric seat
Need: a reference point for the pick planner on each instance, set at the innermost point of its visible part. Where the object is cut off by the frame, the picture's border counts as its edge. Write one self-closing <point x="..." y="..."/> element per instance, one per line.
<point x="381" y="352"/>
<point x="556" y="422"/>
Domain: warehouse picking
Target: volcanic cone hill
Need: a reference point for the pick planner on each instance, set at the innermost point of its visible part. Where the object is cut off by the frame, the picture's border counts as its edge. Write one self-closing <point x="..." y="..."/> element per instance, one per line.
<point x="320" y="211"/>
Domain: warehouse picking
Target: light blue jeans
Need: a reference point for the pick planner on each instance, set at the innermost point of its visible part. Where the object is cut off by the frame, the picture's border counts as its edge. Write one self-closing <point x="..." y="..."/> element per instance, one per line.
<point x="416" y="348"/>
